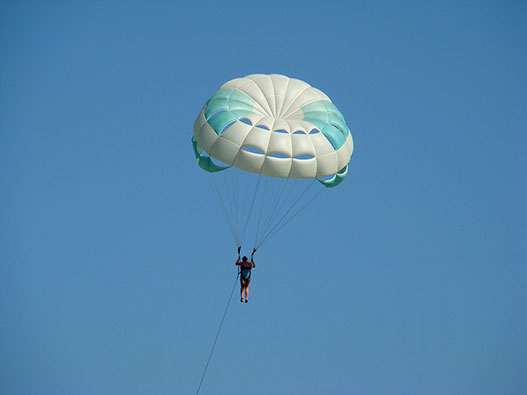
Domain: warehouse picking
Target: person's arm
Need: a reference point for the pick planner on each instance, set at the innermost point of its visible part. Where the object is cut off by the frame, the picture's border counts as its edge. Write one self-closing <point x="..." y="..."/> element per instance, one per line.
<point x="252" y="262"/>
<point x="238" y="261"/>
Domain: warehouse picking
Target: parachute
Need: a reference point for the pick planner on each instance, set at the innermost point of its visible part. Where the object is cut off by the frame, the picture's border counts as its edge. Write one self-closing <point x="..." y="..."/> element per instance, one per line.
<point x="272" y="138"/>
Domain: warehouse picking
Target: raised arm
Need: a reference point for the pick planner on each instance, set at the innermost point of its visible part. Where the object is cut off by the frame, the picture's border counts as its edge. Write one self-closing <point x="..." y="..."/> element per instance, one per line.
<point x="238" y="261"/>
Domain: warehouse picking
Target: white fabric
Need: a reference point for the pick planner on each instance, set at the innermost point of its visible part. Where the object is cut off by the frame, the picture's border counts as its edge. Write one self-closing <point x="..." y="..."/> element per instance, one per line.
<point x="279" y="100"/>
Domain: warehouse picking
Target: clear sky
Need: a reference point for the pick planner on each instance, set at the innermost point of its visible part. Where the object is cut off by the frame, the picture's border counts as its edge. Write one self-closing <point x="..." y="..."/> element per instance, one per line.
<point x="116" y="262"/>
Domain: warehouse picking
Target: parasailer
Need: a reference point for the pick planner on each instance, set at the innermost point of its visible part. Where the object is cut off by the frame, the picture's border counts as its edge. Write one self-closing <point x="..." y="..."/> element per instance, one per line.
<point x="245" y="274"/>
<point x="272" y="138"/>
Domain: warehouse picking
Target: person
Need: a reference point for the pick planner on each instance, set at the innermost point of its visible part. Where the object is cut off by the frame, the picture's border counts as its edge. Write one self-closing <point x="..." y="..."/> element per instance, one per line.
<point x="245" y="274"/>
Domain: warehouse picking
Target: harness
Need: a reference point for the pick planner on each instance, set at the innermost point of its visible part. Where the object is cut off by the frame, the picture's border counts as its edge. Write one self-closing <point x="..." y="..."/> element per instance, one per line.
<point x="245" y="268"/>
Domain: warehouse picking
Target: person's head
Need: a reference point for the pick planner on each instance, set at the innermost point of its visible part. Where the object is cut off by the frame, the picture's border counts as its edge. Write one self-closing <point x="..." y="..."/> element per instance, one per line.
<point x="244" y="259"/>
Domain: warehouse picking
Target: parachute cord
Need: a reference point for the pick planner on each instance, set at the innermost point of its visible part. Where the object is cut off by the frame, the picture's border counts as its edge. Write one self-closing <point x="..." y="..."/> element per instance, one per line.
<point x="277" y="228"/>
<point x="280" y="224"/>
<point x="283" y="217"/>
<point x="225" y="211"/>
<point x="281" y="210"/>
<point x="229" y="184"/>
<point x="280" y="203"/>
<point x="252" y="205"/>
<point x="261" y="210"/>
<point x="271" y="234"/>
<point x="236" y="199"/>
<point x="262" y="229"/>
<point x="217" y="334"/>
<point x="230" y="201"/>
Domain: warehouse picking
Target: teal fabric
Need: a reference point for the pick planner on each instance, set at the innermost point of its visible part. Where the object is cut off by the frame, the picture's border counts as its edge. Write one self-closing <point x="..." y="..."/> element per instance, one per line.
<point x="336" y="179"/>
<point x="229" y="105"/>
<point x="204" y="161"/>
<point x="226" y="106"/>
<point x="329" y="120"/>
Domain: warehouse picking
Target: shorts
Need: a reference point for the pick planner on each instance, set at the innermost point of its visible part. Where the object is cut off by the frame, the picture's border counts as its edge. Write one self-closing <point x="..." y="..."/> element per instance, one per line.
<point x="245" y="274"/>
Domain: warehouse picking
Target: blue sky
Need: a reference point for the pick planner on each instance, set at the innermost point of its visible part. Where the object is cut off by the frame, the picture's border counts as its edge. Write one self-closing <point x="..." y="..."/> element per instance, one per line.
<point x="116" y="263"/>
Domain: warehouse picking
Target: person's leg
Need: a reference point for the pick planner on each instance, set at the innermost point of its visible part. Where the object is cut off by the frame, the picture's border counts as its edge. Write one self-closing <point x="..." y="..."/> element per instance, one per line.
<point x="247" y="289"/>
<point x="242" y="288"/>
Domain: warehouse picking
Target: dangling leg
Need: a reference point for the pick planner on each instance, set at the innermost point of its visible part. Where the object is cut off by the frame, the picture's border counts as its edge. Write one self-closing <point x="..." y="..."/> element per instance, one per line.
<point x="242" y="288"/>
<point x="247" y="289"/>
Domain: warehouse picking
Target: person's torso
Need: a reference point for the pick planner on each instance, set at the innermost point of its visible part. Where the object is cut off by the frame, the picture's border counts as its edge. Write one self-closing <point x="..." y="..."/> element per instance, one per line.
<point x="246" y="269"/>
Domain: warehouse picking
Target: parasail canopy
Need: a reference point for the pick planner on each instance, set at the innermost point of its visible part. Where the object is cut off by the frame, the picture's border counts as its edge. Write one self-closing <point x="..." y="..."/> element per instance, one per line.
<point x="272" y="126"/>
<point x="275" y="126"/>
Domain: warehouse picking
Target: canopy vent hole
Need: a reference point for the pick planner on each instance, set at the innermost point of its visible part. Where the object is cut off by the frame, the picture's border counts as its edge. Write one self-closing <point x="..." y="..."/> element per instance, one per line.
<point x="278" y="155"/>
<point x="253" y="150"/>
<point x="227" y="127"/>
<point x="330" y="141"/>
<point x="304" y="156"/>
